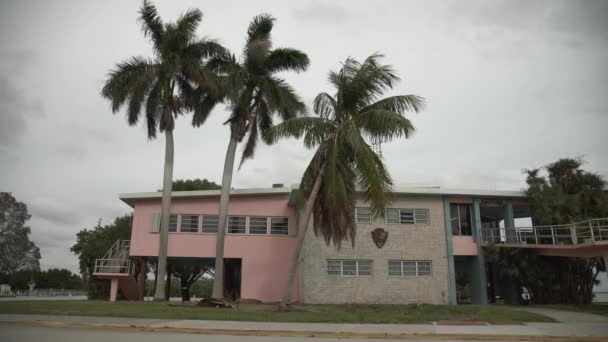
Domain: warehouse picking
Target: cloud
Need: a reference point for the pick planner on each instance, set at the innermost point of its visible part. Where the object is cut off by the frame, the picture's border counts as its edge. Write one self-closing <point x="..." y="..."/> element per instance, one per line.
<point x="17" y="108"/>
<point x="320" y="12"/>
<point x="54" y="211"/>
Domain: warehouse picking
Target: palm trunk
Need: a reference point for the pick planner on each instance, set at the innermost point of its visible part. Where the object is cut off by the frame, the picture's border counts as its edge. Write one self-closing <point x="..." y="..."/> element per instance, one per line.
<point x="159" y="294"/>
<point x="302" y="228"/>
<point x="218" y="281"/>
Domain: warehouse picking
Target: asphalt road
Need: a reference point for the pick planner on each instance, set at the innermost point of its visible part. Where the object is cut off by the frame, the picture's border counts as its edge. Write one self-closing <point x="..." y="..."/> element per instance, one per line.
<point x="23" y="333"/>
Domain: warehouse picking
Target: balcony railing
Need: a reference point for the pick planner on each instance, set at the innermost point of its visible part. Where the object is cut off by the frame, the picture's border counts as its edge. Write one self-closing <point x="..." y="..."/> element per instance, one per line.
<point x="566" y="234"/>
<point x="124" y="266"/>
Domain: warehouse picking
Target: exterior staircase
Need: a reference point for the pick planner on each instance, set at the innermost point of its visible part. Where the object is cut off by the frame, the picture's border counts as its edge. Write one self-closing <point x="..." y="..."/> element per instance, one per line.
<point x="120" y="269"/>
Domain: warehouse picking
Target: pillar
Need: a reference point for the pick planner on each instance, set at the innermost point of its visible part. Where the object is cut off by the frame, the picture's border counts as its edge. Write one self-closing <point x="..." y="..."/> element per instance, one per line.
<point x="450" y="251"/>
<point x="510" y="235"/>
<point x="141" y="277"/>
<point x="479" y="283"/>
<point x="113" y="289"/>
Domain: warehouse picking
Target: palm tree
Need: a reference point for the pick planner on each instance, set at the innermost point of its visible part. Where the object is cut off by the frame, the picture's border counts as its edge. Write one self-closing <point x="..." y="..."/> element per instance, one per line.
<point x="344" y="163"/>
<point x="172" y="83"/>
<point x="255" y="94"/>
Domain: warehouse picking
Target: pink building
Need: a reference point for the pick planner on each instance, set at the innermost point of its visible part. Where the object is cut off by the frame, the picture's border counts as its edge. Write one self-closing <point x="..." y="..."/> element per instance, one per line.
<point x="430" y="235"/>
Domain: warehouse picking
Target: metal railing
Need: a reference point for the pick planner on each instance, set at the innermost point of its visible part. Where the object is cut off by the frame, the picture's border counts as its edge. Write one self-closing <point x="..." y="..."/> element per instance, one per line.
<point x="124" y="266"/>
<point x="565" y="234"/>
<point x="116" y="259"/>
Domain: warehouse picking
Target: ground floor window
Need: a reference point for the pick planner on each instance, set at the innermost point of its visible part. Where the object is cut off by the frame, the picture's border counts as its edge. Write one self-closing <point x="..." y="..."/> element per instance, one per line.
<point x="409" y="268"/>
<point x="349" y="267"/>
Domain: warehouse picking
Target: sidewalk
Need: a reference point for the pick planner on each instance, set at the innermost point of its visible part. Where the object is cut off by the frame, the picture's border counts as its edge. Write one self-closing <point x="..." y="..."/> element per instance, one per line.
<point x="529" y="331"/>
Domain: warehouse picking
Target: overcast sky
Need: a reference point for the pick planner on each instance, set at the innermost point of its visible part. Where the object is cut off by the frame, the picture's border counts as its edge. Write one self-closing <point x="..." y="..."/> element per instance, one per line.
<point x="509" y="84"/>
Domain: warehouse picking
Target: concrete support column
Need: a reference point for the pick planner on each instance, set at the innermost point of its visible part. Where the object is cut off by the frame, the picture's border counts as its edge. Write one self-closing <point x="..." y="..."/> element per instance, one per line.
<point x="113" y="289"/>
<point x="478" y="274"/>
<point x="141" y="278"/>
<point x="510" y="235"/>
<point x="450" y="251"/>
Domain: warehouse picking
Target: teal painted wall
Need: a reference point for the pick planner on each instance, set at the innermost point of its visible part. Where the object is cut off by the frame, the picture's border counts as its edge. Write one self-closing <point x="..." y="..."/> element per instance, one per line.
<point x="450" y="250"/>
<point x="479" y="283"/>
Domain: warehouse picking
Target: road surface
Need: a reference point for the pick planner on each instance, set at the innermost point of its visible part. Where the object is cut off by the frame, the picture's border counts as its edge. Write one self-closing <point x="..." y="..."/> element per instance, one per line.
<point x="23" y="333"/>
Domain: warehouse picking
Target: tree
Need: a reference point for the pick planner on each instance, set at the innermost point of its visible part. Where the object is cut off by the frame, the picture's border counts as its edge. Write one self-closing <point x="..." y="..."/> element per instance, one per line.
<point x="53" y="278"/>
<point x="256" y="94"/>
<point x="92" y="244"/>
<point x="17" y="251"/>
<point x="344" y="162"/>
<point x="194" y="184"/>
<point x="172" y="83"/>
<point x="190" y="271"/>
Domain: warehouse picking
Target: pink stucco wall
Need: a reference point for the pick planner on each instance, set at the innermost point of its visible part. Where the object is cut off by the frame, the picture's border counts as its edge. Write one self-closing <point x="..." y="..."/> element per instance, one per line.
<point x="265" y="258"/>
<point x="464" y="245"/>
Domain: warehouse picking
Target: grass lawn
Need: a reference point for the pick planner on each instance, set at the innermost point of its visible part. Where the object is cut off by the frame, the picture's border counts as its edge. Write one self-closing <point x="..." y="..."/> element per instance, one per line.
<point x="598" y="309"/>
<point x="269" y="313"/>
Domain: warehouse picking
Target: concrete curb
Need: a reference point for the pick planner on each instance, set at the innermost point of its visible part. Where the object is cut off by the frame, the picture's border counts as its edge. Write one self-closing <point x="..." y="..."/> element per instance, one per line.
<point x="316" y="334"/>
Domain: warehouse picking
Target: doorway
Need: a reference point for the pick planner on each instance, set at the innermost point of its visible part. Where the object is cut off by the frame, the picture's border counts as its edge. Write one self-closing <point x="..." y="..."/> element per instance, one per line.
<point x="232" y="278"/>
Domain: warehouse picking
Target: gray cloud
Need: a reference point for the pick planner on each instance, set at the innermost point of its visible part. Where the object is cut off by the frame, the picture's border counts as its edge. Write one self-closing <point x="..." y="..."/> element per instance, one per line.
<point x="54" y="211"/>
<point x="322" y="12"/>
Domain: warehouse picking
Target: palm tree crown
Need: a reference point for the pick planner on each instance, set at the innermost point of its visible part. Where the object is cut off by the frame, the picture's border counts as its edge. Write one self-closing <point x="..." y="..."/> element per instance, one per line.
<point x="344" y="162"/>
<point x="255" y="92"/>
<point x="175" y="81"/>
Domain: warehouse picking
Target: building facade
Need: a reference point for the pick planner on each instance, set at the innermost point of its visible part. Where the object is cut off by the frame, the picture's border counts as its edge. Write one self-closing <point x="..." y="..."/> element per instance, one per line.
<point x="429" y="247"/>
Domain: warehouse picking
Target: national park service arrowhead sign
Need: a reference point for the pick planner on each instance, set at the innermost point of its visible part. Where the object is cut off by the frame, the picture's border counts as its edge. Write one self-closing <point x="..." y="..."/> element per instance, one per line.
<point x="379" y="237"/>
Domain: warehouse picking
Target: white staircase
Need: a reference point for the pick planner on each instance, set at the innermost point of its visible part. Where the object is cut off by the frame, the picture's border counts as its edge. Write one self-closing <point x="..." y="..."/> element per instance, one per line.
<point x="116" y="260"/>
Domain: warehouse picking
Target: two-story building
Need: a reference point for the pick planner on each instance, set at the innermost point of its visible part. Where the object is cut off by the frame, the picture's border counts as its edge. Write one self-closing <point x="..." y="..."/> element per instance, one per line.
<point x="429" y="238"/>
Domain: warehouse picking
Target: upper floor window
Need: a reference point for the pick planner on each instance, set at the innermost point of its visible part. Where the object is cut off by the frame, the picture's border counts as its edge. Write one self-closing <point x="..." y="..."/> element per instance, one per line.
<point x="173" y="223"/>
<point x="363" y="215"/>
<point x="279" y="225"/>
<point x="349" y="267"/>
<point x="189" y="224"/>
<point x="407" y="216"/>
<point x="237" y="224"/>
<point x="409" y="268"/>
<point x="258" y="225"/>
<point x="461" y="219"/>
<point x="210" y="223"/>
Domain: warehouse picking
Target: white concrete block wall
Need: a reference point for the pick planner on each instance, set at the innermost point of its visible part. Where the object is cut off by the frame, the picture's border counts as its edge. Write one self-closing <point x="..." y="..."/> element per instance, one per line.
<point x="405" y="242"/>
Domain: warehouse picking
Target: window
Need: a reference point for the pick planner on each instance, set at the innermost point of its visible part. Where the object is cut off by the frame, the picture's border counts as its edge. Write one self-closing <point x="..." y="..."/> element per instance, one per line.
<point x="189" y="224"/>
<point x="258" y="225"/>
<point x="349" y="267"/>
<point x="407" y="216"/>
<point x="363" y="215"/>
<point x="409" y="268"/>
<point x="279" y="225"/>
<point x="460" y="217"/>
<point x="210" y="223"/>
<point x="236" y="224"/>
<point x="173" y="223"/>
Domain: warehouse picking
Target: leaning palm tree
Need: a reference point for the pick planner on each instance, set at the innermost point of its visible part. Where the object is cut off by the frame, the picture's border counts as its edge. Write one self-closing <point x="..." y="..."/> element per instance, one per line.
<point x="256" y="94"/>
<point x="172" y="83"/>
<point x="344" y="163"/>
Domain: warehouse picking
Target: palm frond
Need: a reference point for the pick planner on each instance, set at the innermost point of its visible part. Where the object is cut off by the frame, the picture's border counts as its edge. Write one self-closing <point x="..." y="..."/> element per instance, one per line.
<point x="398" y="104"/>
<point x="126" y="78"/>
<point x="314" y="129"/>
<point x="384" y="124"/>
<point x="188" y="22"/>
<point x="325" y="105"/>
<point x="252" y="141"/>
<point x="153" y="110"/>
<point x="260" y="27"/>
<point x="152" y="25"/>
<point x="282" y="98"/>
<point x="286" y="59"/>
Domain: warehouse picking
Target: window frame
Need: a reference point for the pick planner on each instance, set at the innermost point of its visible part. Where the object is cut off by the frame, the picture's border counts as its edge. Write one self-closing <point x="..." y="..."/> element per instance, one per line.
<point x="416" y="214"/>
<point x="458" y="218"/>
<point x="245" y="225"/>
<point x="369" y="214"/>
<point x="270" y="231"/>
<point x="417" y="268"/>
<point x="357" y="272"/>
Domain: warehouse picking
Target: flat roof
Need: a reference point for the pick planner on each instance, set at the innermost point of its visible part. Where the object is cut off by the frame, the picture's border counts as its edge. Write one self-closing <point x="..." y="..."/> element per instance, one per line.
<point x="131" y="198"/>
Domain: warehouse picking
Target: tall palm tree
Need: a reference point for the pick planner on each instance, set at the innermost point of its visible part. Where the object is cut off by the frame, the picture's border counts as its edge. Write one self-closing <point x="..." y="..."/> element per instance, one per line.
<point x="170" y="84"/>
<point x="256" y="94"/>
<point x="344" y="163"/>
